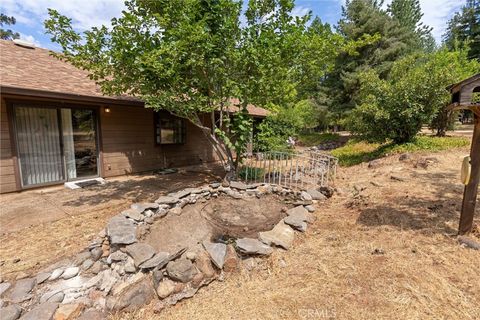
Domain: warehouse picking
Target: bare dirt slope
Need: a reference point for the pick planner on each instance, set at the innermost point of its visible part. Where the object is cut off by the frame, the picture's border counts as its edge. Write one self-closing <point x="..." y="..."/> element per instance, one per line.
<point x="382" y="248"/>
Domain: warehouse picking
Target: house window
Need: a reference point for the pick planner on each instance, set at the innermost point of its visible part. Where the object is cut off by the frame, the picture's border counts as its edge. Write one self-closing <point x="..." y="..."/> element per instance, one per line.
<point x="169" y="129"/>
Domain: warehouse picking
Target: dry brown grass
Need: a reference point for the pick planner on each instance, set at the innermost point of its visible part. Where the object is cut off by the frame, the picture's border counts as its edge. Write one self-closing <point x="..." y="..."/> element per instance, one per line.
<point x="331" y="272"/>
<point x="40" y="245"/>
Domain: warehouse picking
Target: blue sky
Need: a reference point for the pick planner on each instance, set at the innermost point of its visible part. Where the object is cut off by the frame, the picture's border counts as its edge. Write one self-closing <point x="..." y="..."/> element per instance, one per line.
<point x="30" y="14"/>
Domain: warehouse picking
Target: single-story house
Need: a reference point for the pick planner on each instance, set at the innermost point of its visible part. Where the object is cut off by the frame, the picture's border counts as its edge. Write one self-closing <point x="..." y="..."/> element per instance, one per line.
<point x="57" y="126"/>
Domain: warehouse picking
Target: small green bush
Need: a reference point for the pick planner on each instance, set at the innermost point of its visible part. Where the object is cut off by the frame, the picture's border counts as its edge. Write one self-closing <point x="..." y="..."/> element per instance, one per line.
<point x="272" y="135"/>
<point x="251" y="173"/>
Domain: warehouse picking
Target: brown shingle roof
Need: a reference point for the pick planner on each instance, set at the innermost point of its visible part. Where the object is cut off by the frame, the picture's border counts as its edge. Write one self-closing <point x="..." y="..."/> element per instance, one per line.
<point x="37" y="69"/>
<point x="252" y="110"/>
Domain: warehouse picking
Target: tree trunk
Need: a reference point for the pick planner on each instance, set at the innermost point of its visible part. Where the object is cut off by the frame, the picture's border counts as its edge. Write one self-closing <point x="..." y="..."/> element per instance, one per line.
<point x="223" y="152"/>
<point x="441" y="132"/>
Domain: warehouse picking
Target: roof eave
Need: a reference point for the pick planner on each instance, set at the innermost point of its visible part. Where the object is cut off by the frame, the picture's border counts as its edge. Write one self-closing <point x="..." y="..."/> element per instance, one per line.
<point x="5" y="89"/>
<point x="455" y="87"/>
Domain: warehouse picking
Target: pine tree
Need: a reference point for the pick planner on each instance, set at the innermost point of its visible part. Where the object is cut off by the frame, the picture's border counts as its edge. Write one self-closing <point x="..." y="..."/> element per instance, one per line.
<point x="464" y="29"/>
<point x="409" y="15"/>
<point x="360" y="19"/>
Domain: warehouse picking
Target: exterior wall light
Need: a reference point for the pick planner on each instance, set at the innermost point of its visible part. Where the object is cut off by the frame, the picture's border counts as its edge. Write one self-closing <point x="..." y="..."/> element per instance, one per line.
<point x="107" y="110"/>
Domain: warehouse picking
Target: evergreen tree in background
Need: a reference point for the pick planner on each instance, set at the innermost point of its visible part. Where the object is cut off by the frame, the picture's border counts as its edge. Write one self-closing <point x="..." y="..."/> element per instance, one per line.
<point x="464" y="29"/>
<point x="362" y="19"/>
<point x="409" y="15"/>
<point x="7" y="34"/>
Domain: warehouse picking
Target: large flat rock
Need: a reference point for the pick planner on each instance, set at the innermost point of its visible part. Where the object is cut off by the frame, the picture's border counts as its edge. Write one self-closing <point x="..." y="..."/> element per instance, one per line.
<point x="296" y="222"/>
<point x="12" y="312"/>
<point x="4" y="287"/>
<point x="158" y="260"/>
<point x="281" y="235"/>
<point x="301" y="213"/>
<point x="134" y="296"/>
<point x="52" y="296"/>
<point x="181" y="270"/>
<point x="42" y="277"/>
<point x="305" y="196"/>
<point x="134" y="214"/>
<point x="70" y="272"/>
<point x="217" y="252"/>
<point x="253" y="246"/>
<point x="43" y="311"/>
<point x="238" y="185"/>
<point x="167" y="200"/>
<point x="140" y="252"/>
<point x="68" y="311"/>
<point x="21" y="290"/>
<point x="181" y="194"/>
<point x="316" y="195"/>
<point x="121" y="230"/>
<point x="144" y="206"/>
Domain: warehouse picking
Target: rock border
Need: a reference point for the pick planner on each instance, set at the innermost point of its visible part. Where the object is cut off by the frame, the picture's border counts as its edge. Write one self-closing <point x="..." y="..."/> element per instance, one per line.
<point x="118" y="272"/>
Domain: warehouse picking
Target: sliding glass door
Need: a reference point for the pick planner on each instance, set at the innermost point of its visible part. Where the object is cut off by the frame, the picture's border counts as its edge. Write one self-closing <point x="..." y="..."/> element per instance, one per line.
<point x="80" y="142"/>
<point x="55" y="144"/>
<point x="38" y="145"/>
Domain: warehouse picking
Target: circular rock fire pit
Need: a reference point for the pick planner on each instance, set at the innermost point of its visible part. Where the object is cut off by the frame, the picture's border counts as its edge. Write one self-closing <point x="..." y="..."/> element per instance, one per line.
<point x="165" y="250"/>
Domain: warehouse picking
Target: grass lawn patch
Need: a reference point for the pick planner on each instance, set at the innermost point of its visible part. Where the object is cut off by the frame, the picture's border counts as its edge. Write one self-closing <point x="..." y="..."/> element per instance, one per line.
<point x="355" y="152"/>
<point x="316" y="138"/>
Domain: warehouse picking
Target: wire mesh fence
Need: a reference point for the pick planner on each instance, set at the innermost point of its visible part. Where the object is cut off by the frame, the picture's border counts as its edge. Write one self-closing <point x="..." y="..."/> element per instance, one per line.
<point x="292" y="170"/>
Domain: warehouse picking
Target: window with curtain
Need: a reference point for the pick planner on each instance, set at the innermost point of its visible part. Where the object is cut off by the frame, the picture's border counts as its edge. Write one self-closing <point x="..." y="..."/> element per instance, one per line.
<point x="169" y="129"/>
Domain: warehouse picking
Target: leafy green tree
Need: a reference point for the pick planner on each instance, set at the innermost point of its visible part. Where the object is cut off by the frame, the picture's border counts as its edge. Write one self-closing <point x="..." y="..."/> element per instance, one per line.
<point x="414" y="94"/>
<point x="191" y="57"/>
<point x="409" y="15"/>
<point x="309" y="114"/>
<point x="319" y="47"/>
<point x="7" y="34"/>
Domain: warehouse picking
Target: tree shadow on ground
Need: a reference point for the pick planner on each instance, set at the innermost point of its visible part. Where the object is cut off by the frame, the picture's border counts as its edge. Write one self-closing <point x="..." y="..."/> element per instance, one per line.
<point x="436" y="209"/>
<point x="142" y="188"/>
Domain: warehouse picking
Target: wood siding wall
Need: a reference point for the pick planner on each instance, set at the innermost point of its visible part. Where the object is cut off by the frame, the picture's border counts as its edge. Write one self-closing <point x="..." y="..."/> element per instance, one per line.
<point x="466" y="94"/>
<point x="128" y="138"/>
<point x="126" y="142"/>
<point x="7" y="169"/>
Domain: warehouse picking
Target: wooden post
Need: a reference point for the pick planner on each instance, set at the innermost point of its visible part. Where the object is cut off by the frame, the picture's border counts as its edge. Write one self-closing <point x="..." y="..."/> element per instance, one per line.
<point x="471" y="189"/>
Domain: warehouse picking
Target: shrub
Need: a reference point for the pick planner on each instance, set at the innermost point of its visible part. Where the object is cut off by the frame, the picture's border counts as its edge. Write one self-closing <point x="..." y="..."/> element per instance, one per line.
<point x="273" y="133"/>
<point x="414" y="94"/>
<point x="251" y="173"/>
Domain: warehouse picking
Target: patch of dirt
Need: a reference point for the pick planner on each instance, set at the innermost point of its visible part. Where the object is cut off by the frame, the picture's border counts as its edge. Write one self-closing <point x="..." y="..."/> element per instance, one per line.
<point x="218" y="217"/>
<point x="243" y="217"/>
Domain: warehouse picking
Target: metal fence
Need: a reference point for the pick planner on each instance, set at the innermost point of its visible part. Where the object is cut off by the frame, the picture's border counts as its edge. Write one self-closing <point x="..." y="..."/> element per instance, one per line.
<point x="292" y="170"/>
